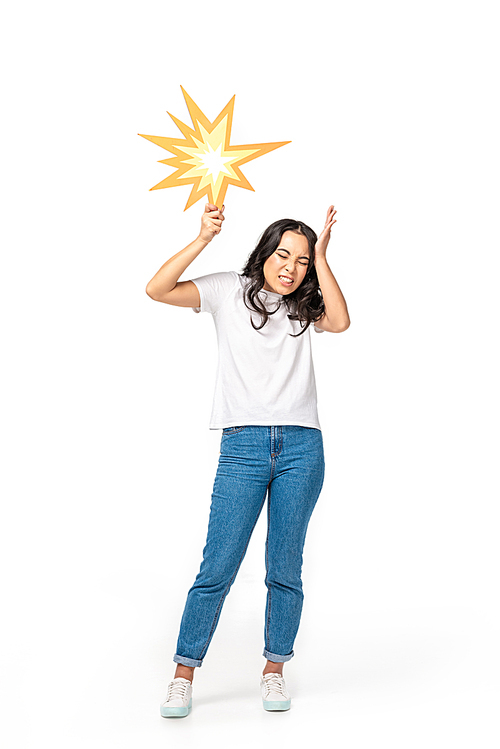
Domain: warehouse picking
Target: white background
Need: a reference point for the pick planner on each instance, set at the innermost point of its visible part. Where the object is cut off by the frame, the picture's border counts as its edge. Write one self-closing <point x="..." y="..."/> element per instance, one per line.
<point x="392" y="113"/>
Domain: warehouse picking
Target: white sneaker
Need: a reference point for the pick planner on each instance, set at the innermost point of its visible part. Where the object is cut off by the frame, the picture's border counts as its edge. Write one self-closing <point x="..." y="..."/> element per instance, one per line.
<point x="179" y="699"/>
<point x="275" y="695"/>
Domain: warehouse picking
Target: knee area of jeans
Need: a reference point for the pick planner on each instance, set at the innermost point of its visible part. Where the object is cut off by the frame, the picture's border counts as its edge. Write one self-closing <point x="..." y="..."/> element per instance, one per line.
<point x="214" y="584"/>
<point x="275" y="579"/>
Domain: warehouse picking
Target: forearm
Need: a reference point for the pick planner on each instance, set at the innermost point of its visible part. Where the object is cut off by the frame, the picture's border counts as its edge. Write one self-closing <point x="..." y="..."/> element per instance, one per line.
<point x="335" y="305"/>
<point x="170" y="272"/>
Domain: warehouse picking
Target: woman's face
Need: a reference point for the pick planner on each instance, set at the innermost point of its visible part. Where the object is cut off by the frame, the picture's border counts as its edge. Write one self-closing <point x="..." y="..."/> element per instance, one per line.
<point x="290" y="259"/>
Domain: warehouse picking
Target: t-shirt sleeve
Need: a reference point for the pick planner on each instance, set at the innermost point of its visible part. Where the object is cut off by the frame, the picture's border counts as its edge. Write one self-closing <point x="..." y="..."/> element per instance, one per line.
<point x="318" y="330"/>
<point x="214" y="289"/>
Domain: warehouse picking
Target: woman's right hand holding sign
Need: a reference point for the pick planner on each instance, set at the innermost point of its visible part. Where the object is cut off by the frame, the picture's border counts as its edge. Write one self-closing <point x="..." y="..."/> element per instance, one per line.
<point x="211" y="222"/>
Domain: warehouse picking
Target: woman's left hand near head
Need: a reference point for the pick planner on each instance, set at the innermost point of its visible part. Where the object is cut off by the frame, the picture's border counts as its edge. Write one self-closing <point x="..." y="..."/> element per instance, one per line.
<point x="324" y="237"/>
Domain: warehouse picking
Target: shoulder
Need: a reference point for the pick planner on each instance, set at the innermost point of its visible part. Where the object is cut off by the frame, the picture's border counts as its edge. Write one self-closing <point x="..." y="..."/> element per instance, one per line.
<point x="215" y="288"/>
<point x="220" y="279"/>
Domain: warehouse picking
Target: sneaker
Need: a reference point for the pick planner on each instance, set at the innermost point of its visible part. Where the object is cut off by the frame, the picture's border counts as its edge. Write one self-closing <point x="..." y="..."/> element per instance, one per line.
<point x="275" y="695"/>
<point x="179" y="699"/>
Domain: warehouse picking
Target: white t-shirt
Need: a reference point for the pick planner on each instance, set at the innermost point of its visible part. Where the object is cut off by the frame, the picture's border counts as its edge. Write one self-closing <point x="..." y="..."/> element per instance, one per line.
<point x="264" y="377"/>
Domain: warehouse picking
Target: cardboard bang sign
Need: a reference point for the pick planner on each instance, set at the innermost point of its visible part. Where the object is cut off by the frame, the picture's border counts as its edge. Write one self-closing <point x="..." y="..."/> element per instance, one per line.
<point x="205" y="158"/>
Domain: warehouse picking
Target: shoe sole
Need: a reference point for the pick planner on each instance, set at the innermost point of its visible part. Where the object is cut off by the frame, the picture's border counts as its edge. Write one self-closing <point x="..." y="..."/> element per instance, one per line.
<point x="175" y="712"/>
<point x="278" y="705"/>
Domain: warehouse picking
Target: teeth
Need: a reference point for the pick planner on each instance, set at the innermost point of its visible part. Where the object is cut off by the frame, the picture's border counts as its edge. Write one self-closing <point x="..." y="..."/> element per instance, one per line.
<point x="286" y="279"/>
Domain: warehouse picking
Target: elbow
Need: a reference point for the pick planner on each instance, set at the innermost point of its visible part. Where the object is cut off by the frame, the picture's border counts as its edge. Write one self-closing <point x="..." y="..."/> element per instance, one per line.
<point x="149" y="292"/>
<point x="340" y="329"/>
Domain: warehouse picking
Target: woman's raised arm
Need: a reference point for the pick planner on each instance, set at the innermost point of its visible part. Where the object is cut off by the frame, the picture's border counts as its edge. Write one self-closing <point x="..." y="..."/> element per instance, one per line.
<point x="164" y="286"/>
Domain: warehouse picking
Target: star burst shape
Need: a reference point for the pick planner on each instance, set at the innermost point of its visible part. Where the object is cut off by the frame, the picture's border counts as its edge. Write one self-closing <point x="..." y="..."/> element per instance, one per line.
<point x="204" y="158"/>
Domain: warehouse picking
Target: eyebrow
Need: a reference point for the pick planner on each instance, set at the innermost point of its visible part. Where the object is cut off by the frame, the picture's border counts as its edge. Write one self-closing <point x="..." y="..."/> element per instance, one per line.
<point x="302" y="257"/>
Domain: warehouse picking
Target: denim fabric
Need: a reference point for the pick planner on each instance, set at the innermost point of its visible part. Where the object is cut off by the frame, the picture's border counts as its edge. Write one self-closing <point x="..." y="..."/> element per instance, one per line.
<point x="285" y="464"/>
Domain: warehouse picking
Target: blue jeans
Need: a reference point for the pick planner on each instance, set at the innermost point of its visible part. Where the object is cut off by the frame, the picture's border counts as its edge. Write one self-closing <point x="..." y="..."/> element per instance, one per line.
<point x="286" y="464"/>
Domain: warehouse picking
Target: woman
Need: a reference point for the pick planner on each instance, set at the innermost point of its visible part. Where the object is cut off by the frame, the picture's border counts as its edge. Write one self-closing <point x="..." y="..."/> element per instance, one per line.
<point x="271" y="444"/>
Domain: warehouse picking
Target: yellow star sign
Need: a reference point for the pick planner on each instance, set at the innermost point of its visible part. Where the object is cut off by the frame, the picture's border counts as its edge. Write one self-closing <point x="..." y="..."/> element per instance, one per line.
<point x="204" y="158"/>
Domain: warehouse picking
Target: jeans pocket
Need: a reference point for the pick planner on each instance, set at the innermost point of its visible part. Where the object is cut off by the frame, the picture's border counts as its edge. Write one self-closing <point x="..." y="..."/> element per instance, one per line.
<point x="233" y="430"/>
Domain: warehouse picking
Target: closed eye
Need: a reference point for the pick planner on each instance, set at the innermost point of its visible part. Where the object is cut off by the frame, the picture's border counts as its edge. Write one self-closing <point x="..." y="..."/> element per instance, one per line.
<point x="285" y="256"/>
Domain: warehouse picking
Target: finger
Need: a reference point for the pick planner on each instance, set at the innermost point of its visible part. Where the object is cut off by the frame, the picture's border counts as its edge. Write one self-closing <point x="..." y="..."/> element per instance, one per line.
<point x="213" y="226"/>
<point x="330" y="216"/>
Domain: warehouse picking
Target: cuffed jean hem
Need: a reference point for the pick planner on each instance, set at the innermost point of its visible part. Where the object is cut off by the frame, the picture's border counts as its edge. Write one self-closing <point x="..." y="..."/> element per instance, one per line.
<point x="277" y="658"/>
<point x="191" y="662"/>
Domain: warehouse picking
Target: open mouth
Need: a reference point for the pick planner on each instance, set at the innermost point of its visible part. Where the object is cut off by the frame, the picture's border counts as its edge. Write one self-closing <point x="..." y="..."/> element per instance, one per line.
<point x="286" y="280"/>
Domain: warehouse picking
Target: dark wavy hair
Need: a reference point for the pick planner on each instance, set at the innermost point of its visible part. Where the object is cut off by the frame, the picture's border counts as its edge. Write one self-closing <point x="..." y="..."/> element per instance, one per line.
<point x="305" y="303"/>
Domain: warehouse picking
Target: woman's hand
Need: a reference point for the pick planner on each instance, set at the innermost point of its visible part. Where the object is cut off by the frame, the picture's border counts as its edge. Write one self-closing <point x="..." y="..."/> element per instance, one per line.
<point x="211" y="222"/>
<point x="324" y="237"/>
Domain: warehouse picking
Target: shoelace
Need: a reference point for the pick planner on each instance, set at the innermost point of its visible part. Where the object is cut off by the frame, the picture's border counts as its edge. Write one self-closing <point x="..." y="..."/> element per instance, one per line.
<point x="177" y="689"/>
<point x="274" y="683"/>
